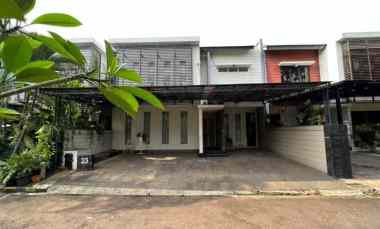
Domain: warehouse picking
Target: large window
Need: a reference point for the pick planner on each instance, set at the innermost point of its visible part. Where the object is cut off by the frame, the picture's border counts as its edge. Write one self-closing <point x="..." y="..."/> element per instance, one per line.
<point x="294" y="74"/>
<point x="146" y="128"/>
<point x="165" y="127"/>
<point x="184" y="127"/>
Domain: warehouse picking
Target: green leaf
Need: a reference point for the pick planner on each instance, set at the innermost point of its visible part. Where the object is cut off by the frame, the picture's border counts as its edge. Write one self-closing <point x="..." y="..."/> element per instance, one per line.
<point x="128" y="74"/>
<point x="121" y="99"/>
<point x="45" y="64"/>
<point x="16" y="52"/>
<point x="34" y="43"/>
<point x="55" y="46"/>
<point x="8" y="114"/>
<point x="57" y="19"/>
<point x="26" y="5"/>
<point x="71" y="48"/>
<point x="146" y="96"/>
<point x="112" y="62"/>
<point x="1" y="48"/>
<point x="35" y="75"/>
<point x="10" y="9"/>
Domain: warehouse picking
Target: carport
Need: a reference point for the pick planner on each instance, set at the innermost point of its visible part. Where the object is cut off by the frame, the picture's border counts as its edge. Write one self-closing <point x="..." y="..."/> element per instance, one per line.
<point x="308" y="161"/>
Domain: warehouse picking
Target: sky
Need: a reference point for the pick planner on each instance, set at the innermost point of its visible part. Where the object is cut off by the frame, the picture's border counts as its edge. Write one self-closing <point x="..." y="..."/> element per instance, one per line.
<point x="218" y="22"/>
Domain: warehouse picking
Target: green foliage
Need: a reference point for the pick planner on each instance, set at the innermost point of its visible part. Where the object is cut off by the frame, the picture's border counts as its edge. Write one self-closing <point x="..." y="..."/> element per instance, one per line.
<point x="10" y="9"/>
<point x="57" y="46"/>
<point x="124" y="97"/>
<point x="8" y="114"/>
<point x="146" y="96"/>
<point x="16" y="52"/>
<point x="129" y="74"/>
<point x="57" y="19"/>
<point x="365" y="135"/>
<point x="121" y="99"/>
<point x="30" y="159"/>
<point x="36" y="75"/>
<point x="26" y="5"/>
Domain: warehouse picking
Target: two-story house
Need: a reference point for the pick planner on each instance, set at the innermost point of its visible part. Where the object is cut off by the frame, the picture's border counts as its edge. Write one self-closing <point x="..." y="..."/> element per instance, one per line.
<point x="191" y="125"/>
<point x="359" y="60"/>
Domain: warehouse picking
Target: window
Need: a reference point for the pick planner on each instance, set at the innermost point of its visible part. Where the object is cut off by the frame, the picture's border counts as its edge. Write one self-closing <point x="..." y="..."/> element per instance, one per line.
<point x="184" y="126"/>
<point x="233" y="68"/>
<point x="294" y="74"/>
<point x="237" y="128"/>
<point x="128" y="130"/>
<point x="146" y="128"/>
<point x="182" y="62"/>
<point x="165" y="128"/>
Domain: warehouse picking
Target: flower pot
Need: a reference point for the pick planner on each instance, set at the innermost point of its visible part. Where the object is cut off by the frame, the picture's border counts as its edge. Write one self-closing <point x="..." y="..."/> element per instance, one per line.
<point x="36" y="179"/>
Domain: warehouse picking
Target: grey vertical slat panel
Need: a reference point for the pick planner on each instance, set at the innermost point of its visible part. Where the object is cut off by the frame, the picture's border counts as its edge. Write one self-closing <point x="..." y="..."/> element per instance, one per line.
<point x="159" y="66"/>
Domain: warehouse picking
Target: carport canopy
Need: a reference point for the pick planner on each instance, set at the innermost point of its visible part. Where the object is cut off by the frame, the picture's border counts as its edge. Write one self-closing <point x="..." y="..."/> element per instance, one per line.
<point x="212" y="93"/>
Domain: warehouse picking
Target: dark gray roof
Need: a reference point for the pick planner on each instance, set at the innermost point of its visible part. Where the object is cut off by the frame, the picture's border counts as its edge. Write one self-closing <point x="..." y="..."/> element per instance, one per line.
<point x="228" y="47"/>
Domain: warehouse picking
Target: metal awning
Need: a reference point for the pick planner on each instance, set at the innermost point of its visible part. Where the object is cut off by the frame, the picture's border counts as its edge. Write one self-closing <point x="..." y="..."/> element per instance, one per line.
<point x="348" y="90"/>
<point x="212" y="93"/>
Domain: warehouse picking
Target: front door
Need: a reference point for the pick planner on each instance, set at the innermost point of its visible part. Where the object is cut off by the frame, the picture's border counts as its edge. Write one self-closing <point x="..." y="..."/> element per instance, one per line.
<point x="251" y="127"/>
<point x="212" y="131"/>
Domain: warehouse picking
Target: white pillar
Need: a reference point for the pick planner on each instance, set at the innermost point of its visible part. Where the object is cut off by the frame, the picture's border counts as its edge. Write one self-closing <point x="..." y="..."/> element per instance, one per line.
<point x="200" y="130"/>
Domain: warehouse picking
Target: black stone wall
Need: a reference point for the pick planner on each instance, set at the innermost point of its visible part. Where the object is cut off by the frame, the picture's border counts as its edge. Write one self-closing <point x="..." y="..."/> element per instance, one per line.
<point x="338" y="151"/>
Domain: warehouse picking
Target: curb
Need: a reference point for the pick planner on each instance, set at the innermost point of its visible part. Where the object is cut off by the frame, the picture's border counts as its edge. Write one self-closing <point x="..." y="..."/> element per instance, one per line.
<point x="22" y="190"/>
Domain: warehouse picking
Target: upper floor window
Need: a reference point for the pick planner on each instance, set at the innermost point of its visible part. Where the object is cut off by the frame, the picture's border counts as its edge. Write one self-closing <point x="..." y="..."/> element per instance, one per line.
<point x="294" y="74"/>
<point x="233" y="68"/>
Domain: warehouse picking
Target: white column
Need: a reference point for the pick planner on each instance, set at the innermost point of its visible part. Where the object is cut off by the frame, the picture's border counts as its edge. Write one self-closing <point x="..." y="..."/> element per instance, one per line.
<point x="200" y="130"/>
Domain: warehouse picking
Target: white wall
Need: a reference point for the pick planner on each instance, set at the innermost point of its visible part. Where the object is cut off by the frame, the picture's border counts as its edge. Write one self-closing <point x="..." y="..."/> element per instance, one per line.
<point x="87" y="140"/>
<point x="323" y="65"/>
<point x="196" y="66"/>
<point x="228" y="56"/>
<point x="118" y="125"/>
<point x="303" y="144"/>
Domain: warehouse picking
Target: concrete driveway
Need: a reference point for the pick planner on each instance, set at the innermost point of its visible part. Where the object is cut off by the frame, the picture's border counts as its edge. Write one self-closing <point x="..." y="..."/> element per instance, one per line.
<point x="185" y="171"/>
<point x="365" y="165"/>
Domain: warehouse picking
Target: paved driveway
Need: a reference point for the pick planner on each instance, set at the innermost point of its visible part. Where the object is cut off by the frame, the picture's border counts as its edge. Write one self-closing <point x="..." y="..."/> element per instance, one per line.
<point x="365" y="165"/>
<point x="186" y="171"/>
<point x="110" y="212"/>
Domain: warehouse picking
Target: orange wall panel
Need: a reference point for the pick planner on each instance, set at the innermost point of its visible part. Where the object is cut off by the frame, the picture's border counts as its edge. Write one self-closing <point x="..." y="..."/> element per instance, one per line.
<point x="273" y="59"/>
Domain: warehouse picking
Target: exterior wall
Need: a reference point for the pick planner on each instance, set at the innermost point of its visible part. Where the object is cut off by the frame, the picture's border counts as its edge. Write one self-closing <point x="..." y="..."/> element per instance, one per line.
<point x="229" y="56"/>
<point x="119" y="118"/>
<point x="273" y="59"/>
<point x="303" y="144"/>
<point x="323" y="65"/>
<point x="161" y="64"/>
<point x="118" y="127"/>
<point x="88" y="140"/>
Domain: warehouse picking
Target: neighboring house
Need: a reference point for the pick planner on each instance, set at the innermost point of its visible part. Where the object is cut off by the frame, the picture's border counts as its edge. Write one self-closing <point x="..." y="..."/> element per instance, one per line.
<point x="359" y="59"/>
<point x="93" y="53"/>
